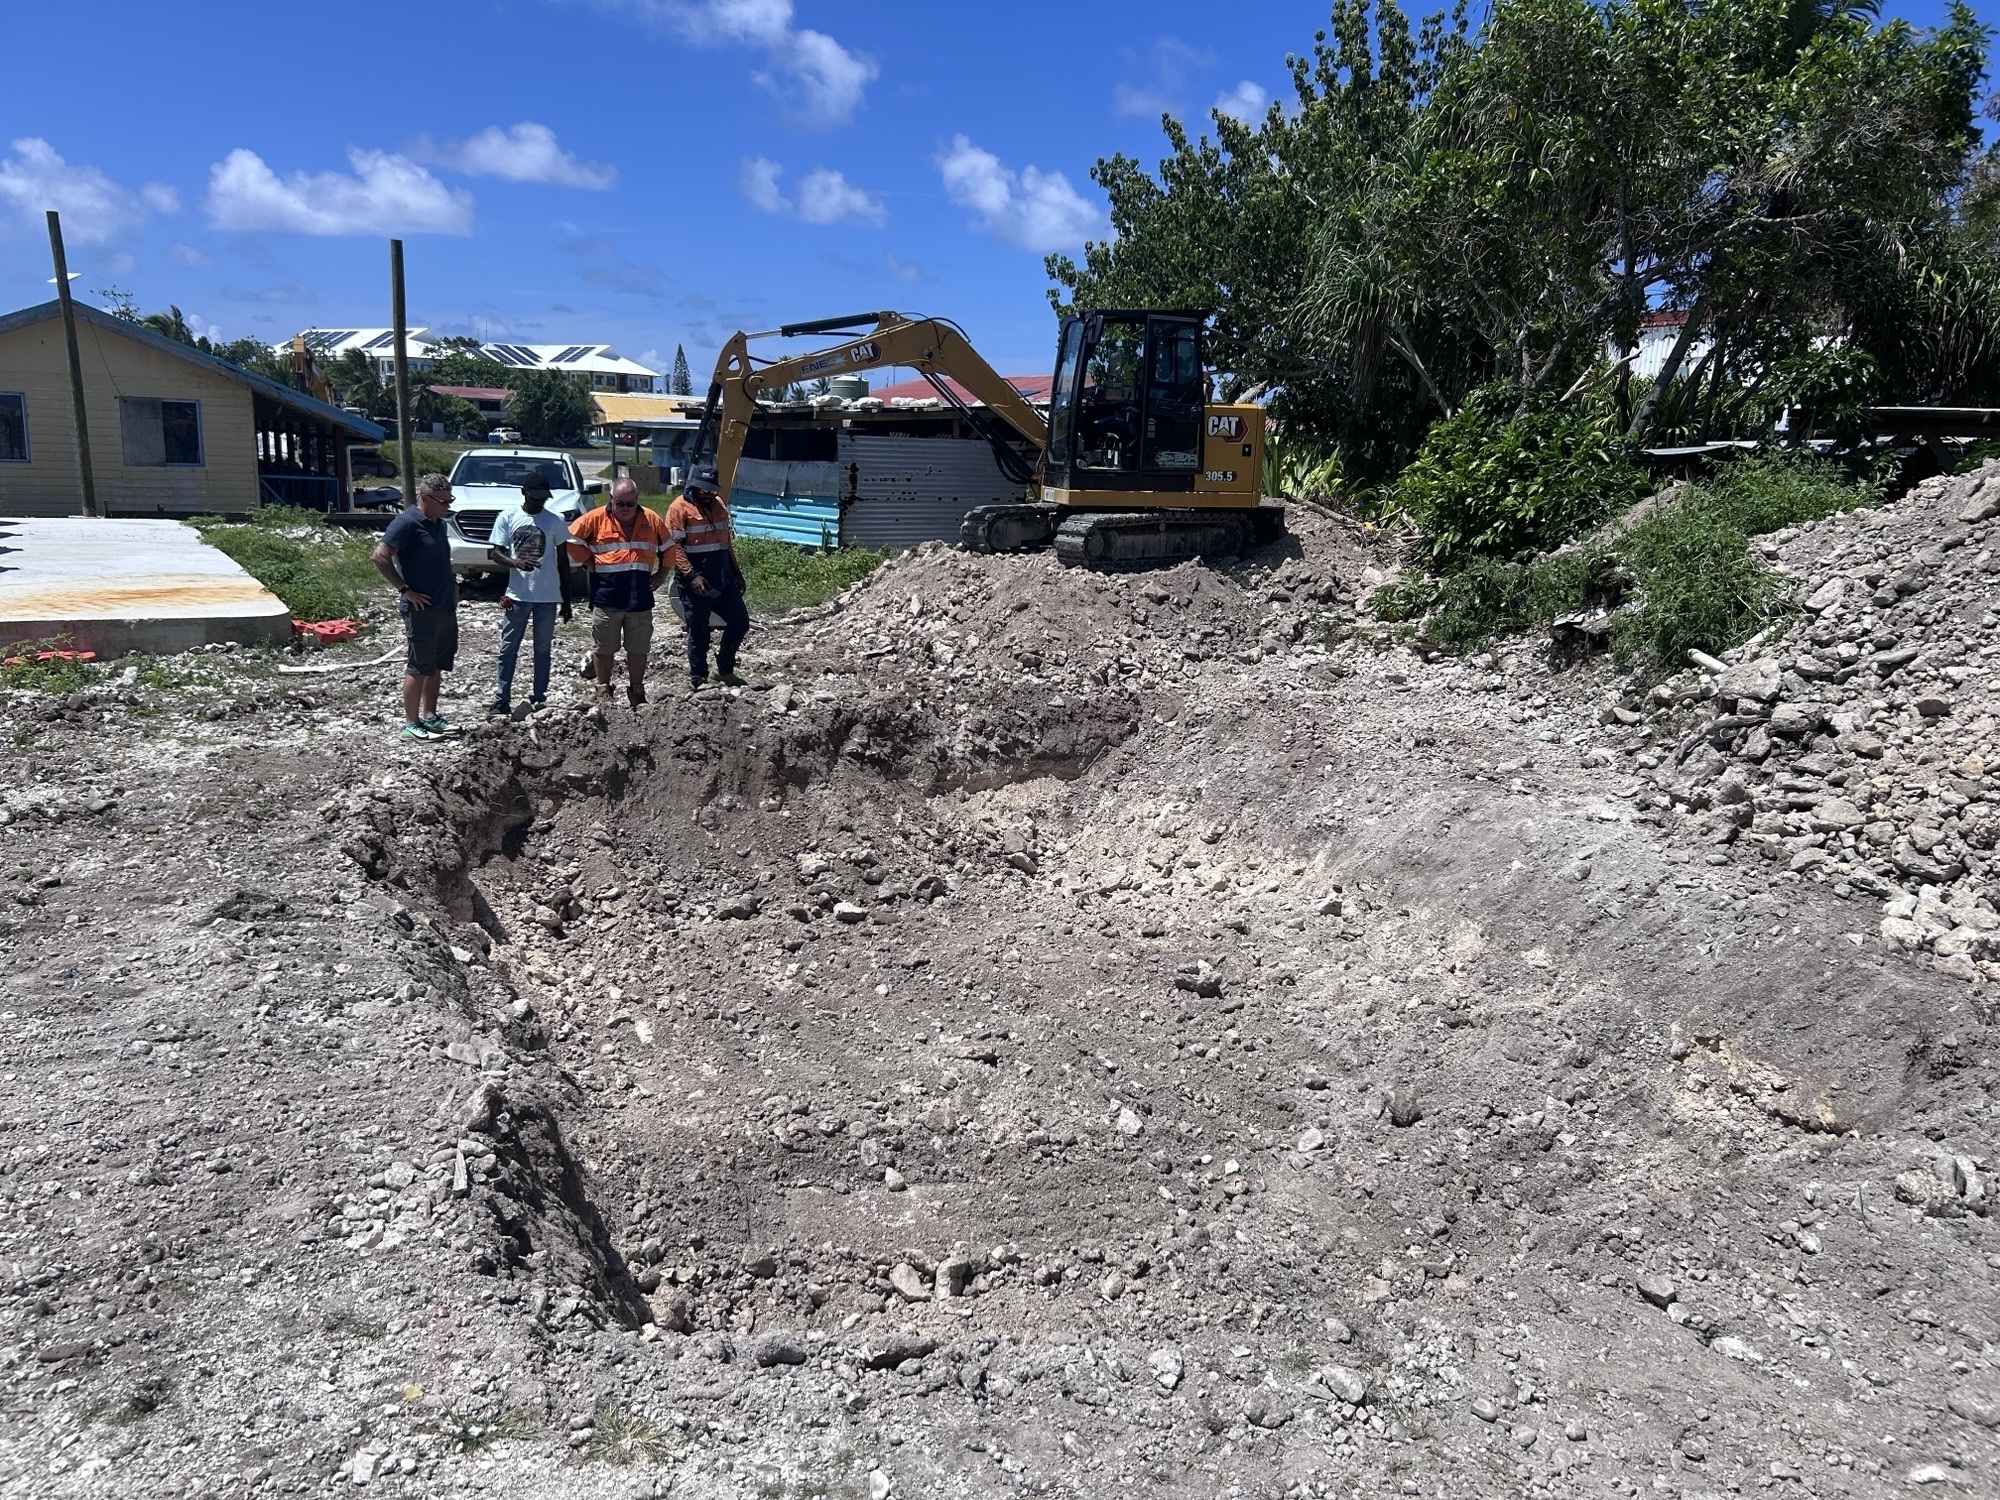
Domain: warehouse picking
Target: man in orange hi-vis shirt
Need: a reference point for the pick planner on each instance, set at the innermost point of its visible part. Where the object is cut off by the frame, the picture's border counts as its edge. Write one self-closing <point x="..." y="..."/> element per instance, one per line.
<point x="706" y="576"/>
<point x="624" y="545"/>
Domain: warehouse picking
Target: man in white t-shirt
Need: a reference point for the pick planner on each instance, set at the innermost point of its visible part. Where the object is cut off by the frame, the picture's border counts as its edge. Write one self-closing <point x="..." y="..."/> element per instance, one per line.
<point x="528" y="542"/>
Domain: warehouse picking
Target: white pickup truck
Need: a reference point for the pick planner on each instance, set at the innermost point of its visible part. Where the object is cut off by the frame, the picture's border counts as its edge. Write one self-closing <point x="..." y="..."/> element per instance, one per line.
<point x="486" y="481"/>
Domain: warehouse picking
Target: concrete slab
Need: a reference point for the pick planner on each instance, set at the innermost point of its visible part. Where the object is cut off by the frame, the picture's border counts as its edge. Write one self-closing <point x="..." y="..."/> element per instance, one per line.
<point x="118" y="586"/>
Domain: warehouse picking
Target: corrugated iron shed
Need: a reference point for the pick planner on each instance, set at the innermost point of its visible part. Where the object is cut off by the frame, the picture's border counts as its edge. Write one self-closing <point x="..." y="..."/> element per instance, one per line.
<point x="901" y="491"/>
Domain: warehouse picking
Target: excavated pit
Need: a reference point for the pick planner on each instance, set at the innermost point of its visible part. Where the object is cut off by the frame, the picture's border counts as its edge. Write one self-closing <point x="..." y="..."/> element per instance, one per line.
<point x="1205" y="1053"/>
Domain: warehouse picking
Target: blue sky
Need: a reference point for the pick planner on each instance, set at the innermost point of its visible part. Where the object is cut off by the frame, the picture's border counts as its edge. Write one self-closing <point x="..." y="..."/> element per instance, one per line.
<point x="637" y="172"/>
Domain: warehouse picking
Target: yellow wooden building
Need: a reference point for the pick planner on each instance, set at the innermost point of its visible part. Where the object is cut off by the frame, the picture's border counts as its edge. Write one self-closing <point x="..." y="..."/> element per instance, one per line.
<point x="173" y="431"/>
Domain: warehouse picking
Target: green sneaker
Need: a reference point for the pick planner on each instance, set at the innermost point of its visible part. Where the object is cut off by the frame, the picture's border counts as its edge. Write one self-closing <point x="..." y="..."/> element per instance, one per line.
<point x="442" y="728"/>
<point x="418" y="732"/>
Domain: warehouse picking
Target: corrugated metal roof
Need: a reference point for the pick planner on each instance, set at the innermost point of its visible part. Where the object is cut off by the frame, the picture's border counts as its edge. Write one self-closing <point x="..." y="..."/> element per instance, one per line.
<point x="901" y="491"/>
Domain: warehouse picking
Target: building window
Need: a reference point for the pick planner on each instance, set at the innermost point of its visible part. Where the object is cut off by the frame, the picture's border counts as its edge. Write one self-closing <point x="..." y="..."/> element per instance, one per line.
<point x="160" y="434"/>
<point x="13" y="427"/>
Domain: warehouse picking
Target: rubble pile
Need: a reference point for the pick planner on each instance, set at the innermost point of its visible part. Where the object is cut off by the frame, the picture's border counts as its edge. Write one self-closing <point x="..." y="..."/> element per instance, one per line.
<point x="1858" y="747"/>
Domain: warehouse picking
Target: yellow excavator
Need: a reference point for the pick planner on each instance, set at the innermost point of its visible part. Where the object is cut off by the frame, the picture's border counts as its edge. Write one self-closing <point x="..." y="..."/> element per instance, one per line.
<point x="1135" y="466"/>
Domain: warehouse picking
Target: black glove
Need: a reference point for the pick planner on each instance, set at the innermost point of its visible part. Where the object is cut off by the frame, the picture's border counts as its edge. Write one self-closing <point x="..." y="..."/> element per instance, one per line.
<point x="736" y="579"/>
<point x="564" y="612"/>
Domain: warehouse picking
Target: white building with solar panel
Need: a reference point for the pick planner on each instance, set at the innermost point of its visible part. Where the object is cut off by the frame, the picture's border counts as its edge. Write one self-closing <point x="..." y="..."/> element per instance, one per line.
<point x="597" y="366"/>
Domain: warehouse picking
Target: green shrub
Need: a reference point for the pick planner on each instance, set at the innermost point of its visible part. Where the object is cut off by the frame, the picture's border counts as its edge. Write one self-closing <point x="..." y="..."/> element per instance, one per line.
<point x="1703" y="589"/>
<point x="1488" y="598"/>
<point x="1767" y="492"/>
<point x="1490" y="483"/>
<point x="779" y="576"/>
<point x="1689" y="558"/>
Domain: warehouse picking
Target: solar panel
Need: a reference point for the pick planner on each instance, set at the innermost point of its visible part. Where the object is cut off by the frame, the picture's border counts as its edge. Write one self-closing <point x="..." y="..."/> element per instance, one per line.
<point x="528" y="356"/>
<point x="570" y="355"/>
<point x="502" y="353"/>
<point x="381" y="340"/>
<point x="333" y="337"/>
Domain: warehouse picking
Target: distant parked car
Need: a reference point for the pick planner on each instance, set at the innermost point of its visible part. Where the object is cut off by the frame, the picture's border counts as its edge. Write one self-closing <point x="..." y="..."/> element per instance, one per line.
<point x="368" y="463"/>
<point x="504" y="435"/>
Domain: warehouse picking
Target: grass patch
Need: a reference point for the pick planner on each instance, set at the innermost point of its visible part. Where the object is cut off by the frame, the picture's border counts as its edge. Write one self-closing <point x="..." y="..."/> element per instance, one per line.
<point x="321" y="572"/>
<point x="1687" y="564"/>
<point x="475" y="1432"/>
<point x="626" y="1437"/>
<point x="780" y="576"/>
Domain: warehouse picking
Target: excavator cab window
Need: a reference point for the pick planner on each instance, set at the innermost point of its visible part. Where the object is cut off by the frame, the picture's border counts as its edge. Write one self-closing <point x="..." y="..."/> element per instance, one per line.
<point x="1069" y="365"/>
<point x="1108" y="413"/>
<point x="1174" y="391"/>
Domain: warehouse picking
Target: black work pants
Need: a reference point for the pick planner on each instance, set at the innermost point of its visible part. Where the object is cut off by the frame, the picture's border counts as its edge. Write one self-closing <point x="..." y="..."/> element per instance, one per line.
<point x="724" y="601"/>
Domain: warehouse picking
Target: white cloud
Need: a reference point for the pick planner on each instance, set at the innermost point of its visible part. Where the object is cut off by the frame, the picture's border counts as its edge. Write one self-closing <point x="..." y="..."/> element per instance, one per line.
<point x="1245" y="102"/>
<point x="94" y="209"/>
<point x="187" y="255"/>
<point x="388" y="194"/>
<point x="824" y="195"/>
<point x="1036" y="210"/>
<point x="757" y="179"/>
<point x="827" y="197"/>
<point x="526" y="152"/>
<point x="820" y="81"/>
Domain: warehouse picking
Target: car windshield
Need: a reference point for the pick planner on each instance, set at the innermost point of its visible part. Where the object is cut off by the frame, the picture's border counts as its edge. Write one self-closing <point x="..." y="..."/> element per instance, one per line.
<point x="510" y="470"/>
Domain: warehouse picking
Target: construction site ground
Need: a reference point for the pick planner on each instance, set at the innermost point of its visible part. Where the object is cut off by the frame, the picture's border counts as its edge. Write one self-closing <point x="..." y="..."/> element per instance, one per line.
<point x="1056" y="1034"/>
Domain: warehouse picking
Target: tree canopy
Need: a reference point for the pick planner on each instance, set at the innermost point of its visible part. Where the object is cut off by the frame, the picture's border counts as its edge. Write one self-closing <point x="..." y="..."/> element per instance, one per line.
<point x="1438" y="209"/>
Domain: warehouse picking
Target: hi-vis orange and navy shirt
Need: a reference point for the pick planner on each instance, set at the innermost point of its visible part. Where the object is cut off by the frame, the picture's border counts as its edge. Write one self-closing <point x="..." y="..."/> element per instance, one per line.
<point x="698" y="539"/>
<point x="622" y="558"/>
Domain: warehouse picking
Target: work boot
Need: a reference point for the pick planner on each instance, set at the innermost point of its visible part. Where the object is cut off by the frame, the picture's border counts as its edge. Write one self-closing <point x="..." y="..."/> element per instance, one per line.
<point x="499" y="708"/>
<point x="635" y="695"/>
<point x="602" y="696"/>
<point x="727" y="676"/>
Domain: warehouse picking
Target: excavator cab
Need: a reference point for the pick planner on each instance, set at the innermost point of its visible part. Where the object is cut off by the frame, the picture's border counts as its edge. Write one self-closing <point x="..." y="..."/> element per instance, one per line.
<point x="1126" y="403"/>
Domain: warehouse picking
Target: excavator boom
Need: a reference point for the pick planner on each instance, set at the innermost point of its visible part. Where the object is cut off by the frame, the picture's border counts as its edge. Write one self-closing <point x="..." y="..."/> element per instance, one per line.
<point x="928" y="345"/>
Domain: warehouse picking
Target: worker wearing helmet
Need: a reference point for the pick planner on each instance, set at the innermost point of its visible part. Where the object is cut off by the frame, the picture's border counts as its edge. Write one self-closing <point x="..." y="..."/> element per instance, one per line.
<point x="624" y="546"/>
<point x="706" y="577"/>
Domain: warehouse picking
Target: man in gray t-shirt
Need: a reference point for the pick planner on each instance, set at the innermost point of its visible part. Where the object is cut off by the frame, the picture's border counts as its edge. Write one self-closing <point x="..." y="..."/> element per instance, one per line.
<point x="528" y="542"/>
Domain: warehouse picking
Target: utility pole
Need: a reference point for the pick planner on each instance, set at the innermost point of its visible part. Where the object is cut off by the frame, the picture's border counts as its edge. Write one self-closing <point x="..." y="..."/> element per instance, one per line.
<point x="75" y="364"/>
<point x="405" y="443"/>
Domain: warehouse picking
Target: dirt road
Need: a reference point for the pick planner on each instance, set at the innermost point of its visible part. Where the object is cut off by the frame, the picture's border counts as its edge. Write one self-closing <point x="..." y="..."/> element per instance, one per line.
<point x="1060" y="1034"/>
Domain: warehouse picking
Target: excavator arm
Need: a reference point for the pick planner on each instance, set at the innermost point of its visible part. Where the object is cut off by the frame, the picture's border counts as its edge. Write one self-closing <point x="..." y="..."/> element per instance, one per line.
<point x="927" y="345"/>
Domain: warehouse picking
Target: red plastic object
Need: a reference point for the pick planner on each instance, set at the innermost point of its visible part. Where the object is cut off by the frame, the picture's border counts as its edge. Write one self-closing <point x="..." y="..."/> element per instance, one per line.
<point x="328" y="631"/>
<point x="56" y="655"/>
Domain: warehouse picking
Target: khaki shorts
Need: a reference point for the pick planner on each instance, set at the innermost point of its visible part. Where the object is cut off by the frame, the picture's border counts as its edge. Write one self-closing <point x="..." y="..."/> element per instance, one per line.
<point x="633" y="628"/>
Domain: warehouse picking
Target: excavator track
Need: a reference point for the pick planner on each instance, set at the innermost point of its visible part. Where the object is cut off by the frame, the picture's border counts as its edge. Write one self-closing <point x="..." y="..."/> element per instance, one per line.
<point x="1008" y="528"/>
<point x="1119" y="541"/>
